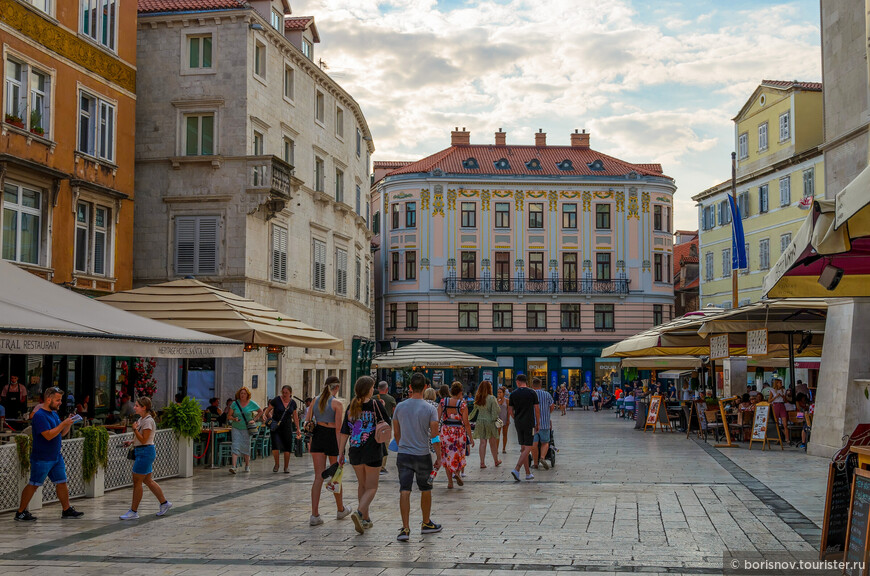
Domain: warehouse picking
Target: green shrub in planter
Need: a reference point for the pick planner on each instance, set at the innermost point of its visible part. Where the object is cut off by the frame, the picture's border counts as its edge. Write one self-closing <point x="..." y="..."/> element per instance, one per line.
<point x="185" y="418"/>
<point x="24" y="443"/>
<point x="96" y="450"/>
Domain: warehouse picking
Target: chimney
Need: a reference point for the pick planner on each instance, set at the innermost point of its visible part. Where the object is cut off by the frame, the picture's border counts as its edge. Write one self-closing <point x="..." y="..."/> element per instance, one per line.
<point x="500" y="138"/>
<point x="540" y="138"/>
<point x="460" y="137"/>
<point x="580" y="140"/>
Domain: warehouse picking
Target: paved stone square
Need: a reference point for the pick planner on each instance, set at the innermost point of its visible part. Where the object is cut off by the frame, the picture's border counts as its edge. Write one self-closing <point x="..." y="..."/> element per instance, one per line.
<point x="618" y="501"/>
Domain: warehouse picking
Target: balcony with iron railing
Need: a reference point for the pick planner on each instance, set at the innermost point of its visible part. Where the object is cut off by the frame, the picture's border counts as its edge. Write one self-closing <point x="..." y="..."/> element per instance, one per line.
<point x="454" y="286"/>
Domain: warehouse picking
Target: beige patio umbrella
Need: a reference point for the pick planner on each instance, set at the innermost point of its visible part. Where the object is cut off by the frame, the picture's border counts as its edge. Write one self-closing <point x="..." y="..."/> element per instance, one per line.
<point x="198" y="306"/>
<point x="424" y="355"/>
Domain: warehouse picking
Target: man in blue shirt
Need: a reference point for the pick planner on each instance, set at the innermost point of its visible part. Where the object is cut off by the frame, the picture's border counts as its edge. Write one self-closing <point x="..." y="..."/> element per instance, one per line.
<point x="542" y="436"/>
<point x="45" y="457"/>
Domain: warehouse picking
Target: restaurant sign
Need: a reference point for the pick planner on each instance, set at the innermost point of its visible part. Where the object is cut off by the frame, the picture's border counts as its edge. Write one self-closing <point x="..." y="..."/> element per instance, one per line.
<point x="101" y="346"/>
<point x="756" y="342"/>
<point x="719" y="347"/>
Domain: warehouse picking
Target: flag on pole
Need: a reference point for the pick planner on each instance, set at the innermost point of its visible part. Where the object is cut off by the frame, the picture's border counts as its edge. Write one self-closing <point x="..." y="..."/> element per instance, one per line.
<point x="738" y="241"/>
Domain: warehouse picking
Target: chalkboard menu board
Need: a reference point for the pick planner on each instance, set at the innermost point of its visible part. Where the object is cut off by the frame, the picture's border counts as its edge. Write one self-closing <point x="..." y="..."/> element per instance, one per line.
<point x="837" y="507"/>
<point x="859" y="516"/>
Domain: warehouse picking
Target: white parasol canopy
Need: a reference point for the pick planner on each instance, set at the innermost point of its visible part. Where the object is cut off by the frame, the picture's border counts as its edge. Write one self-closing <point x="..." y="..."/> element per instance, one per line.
<point x="427" y="355"/>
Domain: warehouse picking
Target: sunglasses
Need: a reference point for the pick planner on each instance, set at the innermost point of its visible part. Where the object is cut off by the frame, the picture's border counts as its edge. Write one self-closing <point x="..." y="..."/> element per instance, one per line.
<point x="52" y="391"/>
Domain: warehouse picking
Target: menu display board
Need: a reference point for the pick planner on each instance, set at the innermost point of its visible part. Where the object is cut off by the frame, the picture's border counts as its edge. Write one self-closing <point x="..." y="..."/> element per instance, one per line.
<point x="856" y="532"/>
<point x="763" y="429"/>
<point x="837" y="499"/>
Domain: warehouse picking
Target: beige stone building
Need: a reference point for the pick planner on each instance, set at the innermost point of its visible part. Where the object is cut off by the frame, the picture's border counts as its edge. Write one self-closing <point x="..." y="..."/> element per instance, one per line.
<point x="252" y="173"/>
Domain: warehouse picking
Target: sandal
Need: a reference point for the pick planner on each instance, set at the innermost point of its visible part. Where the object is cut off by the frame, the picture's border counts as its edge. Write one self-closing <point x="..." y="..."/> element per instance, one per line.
<point x="482" y="466"/>
<point x="497" y="463"/>
<point x="275" y="469"/>
<point x="459" y="480"/>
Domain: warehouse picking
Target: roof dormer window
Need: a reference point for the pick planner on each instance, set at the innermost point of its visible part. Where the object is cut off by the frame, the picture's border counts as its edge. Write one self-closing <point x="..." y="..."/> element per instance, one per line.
<point x="502" y="164"/>
<point x="307" y="49"/>
<point x="533" y="164"/>
<point x="596" y="166"/>
<point x="471" y="164"/>
<point x="277" y="20"/>
<point x="565" y="165"/>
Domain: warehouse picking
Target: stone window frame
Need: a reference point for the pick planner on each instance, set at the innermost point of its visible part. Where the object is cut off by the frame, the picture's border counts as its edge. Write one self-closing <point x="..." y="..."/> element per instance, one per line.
<point x="288" y="65"/>
<point x="197" y="108"/>
<point x="186" y="34"/>
<point x="261" y="42"/>
<point x="29" y="65"/>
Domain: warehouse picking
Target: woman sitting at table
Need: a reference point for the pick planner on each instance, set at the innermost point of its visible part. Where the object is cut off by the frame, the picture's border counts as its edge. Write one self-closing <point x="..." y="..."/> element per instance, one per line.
<point x="745" y="404"/>
<point x="82" y="407"/>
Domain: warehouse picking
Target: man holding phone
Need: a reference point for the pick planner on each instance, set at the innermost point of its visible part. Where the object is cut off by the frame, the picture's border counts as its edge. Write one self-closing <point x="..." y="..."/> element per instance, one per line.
<point x="46" y="460"/>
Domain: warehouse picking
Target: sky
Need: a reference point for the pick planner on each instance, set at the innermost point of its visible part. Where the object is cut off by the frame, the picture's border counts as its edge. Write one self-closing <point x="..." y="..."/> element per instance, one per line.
<point x="652" y="81"/>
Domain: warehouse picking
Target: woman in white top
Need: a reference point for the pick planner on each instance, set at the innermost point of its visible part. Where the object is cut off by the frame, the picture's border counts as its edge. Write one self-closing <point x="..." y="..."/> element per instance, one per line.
<point x="143" y="449"/>
<point x="777" y="399"/>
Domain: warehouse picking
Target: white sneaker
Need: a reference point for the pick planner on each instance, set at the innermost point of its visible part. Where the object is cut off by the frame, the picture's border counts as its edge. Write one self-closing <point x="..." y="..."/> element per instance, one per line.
<point x="315" y="521"/>
<point x="462" y="474"/>
<point x="247" y="469"/>
<point x="343" y="513"/>
<point x="530" y="476"/>
<point x="129" y="515"/>
<point x="164" y="508"/>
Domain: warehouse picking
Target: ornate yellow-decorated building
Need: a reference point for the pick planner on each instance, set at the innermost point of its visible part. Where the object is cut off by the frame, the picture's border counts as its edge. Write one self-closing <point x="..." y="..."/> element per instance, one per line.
<point x="537" y="256"/>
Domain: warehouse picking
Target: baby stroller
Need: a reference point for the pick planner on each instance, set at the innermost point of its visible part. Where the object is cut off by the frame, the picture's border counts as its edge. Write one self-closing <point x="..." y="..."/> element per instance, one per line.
<point x="551" y="451"/>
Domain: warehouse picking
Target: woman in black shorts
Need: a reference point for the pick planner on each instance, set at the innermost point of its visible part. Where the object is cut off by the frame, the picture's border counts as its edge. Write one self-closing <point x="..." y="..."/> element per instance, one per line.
<point x="326" y="411"/>
<point x="365" y="454"/>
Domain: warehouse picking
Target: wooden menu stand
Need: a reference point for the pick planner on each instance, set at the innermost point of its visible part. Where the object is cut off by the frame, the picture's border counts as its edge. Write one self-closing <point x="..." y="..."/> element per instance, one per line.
<point x="656" y="405"/>
<point x="728" y="443"/>
<point x="761" y="426"/>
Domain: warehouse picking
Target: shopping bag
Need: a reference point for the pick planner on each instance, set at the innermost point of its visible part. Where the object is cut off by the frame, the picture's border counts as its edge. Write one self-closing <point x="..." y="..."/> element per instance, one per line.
<point x="334" y="484"/>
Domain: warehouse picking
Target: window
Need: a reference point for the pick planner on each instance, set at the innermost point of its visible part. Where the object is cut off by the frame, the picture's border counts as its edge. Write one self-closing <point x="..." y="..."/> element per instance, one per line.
<point x="536" y="266"/>
<point x="468" y="266"/>
<point x="358" y="199"/>
<point x="657" y="218"/>
<point x="339" y="185"/>
<point x="410" y="214"/>
<point x="502" y="316"/>
<point x="784" y="191"/>
<point x="502" y="215"/>
<point x="99" y="18"/>
<point x="724" y="213"/>
<point x="199" y="52"/>
<point x="277" y="20"/>
<point x="16" y="100"/>
<point x="392" y="317"/>
<point x="657" y="267"/>
<point x="762" y="137"/>
<point x="536" y="317"/>
<point x="764" y="254"/>
<point x="395" y="216"/>
<point x="259" y="59"/>
<point x="708" y="266"/>
<point x="395" y="267"/>
<point x="39" y="99"/>
<point x="602" y="266"/>
<point x="341" y="272"/>
<point x="319" y="174"/>
<point x="411" y="309"/>
<point x="743" y="146"/>
<point x="21" y="78"/>
<point x="784" y="242"/>
<point x="358" y="143"/>
<point x="762" y="199"/>
<point x="669" y="269"/>
<point x="536" y="215"/>
<point x="569" y="216"/>
<point x="667" y="218"/>
<point x="289" y="152"/>
<point x="726" y="263"/>
<point x="319" y="106"/>
<point x="376" y="223"/>
<point x="410" y="265"/>
<point x="196" y="245"/>
<point x="289" y="82"/>
<point x="570" y="317"/>
<point x="469" y="215"/>
<point x="43" y="5"/>
<point x="357" y="279"/>
<point x="339" y="122"/>
<point x="199" y="135"/>
<point x="22" y="224"/>
<point x="743" y="205"/>
<point x="748" y="263"/>
<point x="468" y="316"/>
<point x="784" y="127"/>
<point x="658" y="314"/>
<point x="707" y="221"/>
<point x="604" y="318"/>
<point x="318" y="274"/>
<point x="96" y="127"/>
<point x="809" y="183"/>
<point x="259" y="172"/>
<point x="602" y="216"/>
<point x="279" y="254"/>
<point x="368" y="272"/>
<point x="307" y="49"/>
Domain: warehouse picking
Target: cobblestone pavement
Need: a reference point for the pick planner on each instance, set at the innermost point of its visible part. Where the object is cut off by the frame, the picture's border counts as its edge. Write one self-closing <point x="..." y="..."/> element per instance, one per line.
<point x="619" y="501"/>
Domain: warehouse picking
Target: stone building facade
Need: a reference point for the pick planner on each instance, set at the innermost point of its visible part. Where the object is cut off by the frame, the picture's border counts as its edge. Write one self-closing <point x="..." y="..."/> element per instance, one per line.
<point x="252" y="165"/>
<point x="537" y="256"/>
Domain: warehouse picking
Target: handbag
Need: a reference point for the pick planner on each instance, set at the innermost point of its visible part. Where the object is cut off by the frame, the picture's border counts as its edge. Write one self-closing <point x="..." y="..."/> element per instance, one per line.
<point x="273" y="426"/>
<point x="251" y="425"/>
<point x="297" y="447"/>
<point x="498" y="423"/>
<point x="311" y="424"/>
<point x="383" y="431"/>
<point x="131" y="453"/>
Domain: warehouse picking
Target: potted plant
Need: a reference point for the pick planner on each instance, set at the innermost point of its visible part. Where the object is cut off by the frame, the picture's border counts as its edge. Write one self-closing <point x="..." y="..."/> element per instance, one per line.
<point x="14" y="120"/>
<point x="96" y="451"/>
<point x="185" y="418"/>
<point x="36" y="122"/>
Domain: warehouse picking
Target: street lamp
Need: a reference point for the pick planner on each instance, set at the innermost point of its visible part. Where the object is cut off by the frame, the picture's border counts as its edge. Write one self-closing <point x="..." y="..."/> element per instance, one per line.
<point x="393" y="344"/>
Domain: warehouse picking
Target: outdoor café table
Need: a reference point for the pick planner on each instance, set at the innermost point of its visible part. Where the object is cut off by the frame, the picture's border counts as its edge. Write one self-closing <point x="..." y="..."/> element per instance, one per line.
<point x="677" y="408"/>
<point x="116" y="428"/>
<point x="216" y="435"/>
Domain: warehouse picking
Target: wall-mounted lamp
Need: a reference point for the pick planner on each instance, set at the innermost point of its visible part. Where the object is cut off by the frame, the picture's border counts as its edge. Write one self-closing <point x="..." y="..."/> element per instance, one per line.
<point x="256" y="26"/>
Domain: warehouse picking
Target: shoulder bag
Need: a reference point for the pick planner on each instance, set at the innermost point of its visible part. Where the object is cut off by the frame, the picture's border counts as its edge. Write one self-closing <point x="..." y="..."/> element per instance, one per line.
<point x="250" y="424"/>
<point x="273" y="426"/>
<point x="383" y="431"/>
<point x="311" y="424"/>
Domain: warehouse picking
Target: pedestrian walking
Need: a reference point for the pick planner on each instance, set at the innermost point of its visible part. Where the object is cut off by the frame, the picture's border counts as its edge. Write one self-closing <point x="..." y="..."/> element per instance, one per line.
<point x="415" y="428"/>
<point x="486" y="430"/>
<point x="283" y="418"/>
<point x="525" y="412"/>
<point x="563" y="398"/>
<point x="145" y="453"/>
<point x="364" y="452"/>
<point x="541" y="440"/>
<point x="389" y="404"/>
<point x="455" y="433"/>
<point x="325" y="415"/>
<point x="46" y="461"/>
<point x="585" y="396"/>
<point x="243" y="413"/>
<point x="505" y="418"/>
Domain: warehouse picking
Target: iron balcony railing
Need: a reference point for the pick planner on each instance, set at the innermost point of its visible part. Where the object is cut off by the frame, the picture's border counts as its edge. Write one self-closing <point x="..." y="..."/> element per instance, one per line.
<point x="526" y="286"/>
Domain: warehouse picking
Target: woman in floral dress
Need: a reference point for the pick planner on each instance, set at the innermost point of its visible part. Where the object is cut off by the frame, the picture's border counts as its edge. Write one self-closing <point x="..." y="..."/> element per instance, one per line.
<point x="455" y="433"/>
<point x="563" y="398"/>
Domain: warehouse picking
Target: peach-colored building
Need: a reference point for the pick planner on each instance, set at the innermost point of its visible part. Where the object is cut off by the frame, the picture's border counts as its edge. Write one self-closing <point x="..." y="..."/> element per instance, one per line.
<point x="538" y="256"/>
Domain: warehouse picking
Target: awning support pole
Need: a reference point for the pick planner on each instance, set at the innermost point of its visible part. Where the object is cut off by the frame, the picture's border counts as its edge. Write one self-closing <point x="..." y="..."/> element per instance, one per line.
<point x="791" y="359"/>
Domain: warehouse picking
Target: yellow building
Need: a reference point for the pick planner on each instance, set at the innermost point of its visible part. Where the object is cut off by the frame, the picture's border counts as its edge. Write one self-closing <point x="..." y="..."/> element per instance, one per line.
<point x="778" y="134"/>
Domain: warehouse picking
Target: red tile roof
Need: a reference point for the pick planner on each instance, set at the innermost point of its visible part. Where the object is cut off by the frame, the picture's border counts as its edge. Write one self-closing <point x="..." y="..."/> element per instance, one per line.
<point x="297" y="22"/>
<point x="786" y="84"/>
<point x="682" y="254"/>
<point x="154" y="6"/>
<point x="390" y="164"/>
<point x="451" y="161"/>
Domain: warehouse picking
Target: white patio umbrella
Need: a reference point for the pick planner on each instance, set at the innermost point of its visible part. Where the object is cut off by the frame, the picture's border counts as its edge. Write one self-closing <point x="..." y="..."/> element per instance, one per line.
<point x="424" y="355"/>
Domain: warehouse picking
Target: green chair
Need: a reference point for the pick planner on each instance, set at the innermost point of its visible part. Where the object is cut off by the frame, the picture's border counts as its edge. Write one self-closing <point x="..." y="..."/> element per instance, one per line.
<point x="224" y="453"/>
<point x="264" y="443"/>
<point x="198" y="448"/>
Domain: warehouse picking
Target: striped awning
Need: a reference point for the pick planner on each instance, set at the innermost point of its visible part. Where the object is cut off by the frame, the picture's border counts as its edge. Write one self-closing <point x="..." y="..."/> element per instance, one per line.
<point x="424" y="355"/>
